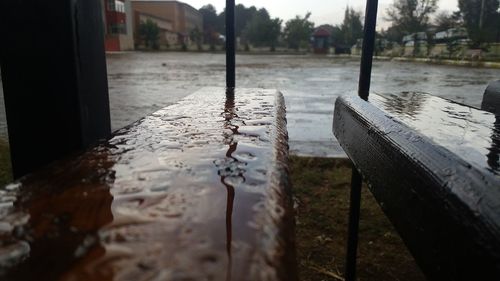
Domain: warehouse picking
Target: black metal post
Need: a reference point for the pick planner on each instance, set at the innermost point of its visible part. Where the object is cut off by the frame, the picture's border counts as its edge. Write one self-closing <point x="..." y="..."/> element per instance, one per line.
<point x="54" y="79"/>
<point x="357" y="179"/>
<point x="353" y="227"/>
<point x="368" y="48"/>
<point x="230" y="45"/>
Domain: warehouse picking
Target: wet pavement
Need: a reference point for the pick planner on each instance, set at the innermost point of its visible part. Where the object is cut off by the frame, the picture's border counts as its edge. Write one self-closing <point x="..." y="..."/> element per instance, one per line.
<point x="141" y="83"/>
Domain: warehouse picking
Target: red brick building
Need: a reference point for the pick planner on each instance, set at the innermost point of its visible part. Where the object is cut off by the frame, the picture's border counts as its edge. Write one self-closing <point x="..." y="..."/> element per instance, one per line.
<point x="175" y="19"/>
<point x="117" y="25"/>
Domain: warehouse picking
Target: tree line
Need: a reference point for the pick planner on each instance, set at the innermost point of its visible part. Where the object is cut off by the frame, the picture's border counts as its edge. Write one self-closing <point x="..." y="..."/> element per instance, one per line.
<point x="256" y="27"/>
<point x="481" y="19"/>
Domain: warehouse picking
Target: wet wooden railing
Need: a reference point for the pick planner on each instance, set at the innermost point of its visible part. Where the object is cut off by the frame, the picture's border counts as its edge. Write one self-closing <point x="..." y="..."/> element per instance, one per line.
<point x="196" y="191"/>
<point x="433" y="166"/>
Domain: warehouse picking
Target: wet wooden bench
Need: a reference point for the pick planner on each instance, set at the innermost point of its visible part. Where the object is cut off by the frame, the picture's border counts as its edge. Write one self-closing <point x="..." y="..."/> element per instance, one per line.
<point x="433" y="166"/>
<point x="196" y="191"/>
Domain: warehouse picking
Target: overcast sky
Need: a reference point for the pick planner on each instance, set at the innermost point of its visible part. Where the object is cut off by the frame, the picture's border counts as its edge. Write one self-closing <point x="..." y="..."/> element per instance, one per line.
<point x="323" y="11"/>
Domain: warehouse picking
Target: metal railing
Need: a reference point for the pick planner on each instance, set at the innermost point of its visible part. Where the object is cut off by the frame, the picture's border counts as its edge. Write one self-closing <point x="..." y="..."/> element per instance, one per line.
<point x="356" y="179"/>
<point x="363" y="92"/>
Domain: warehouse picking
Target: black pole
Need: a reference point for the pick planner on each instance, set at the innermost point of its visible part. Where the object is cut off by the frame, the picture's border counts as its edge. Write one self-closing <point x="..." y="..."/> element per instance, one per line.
<point x="368" y="48"/>
<point x="230" y="45"/>
<point x="353" y="227"/>
<point x="357" y="179"/>
<point x="54" y="79"/>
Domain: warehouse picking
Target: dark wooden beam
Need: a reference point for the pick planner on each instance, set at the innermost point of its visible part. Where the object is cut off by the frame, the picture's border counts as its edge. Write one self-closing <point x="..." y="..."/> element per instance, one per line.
<point x="491" y="98"/>
<point x="428" y="163"/>
<point x="54" y="78"/>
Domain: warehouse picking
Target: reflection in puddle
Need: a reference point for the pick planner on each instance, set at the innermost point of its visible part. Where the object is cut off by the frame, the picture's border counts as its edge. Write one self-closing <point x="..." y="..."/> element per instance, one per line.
<point x="494" y="154"/>
<point x="54" y="227"/>
<point x="229" y="114"/>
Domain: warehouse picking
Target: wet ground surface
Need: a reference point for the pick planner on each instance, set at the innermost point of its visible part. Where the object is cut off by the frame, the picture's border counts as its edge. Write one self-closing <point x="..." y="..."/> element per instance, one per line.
<point x="141" y="83"/>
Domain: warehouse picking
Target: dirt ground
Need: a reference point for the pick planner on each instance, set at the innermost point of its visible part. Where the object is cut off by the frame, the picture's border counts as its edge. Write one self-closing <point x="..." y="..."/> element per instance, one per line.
<point x="321" y="187"/>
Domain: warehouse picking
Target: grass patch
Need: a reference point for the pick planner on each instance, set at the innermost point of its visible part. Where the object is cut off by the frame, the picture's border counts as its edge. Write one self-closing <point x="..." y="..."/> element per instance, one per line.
<point x="321" y="188"/>
<point x="5" y="165"/>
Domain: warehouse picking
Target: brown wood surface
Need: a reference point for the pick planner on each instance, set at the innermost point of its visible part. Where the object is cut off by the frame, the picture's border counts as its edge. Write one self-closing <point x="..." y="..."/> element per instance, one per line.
<point x="196" y="191"/>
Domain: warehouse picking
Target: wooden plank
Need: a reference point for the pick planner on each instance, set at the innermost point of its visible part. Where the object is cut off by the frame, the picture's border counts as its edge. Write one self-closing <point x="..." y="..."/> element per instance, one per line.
<point x="196" y="191"/>
<point x="491" y="98"/>
<point x="54" y="78"/>
<point x="428" y="162"/>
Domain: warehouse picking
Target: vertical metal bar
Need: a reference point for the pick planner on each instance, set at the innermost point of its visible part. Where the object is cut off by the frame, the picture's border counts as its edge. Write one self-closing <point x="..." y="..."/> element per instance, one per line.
<point x="368" y="48"/>
<point x="357" y="179"/>
<point x="353" y="227"/>
<point x="230" y="45"/>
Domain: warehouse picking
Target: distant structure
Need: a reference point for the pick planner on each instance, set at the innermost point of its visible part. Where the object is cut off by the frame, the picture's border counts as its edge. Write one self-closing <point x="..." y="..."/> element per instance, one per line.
<point x="117" y="25"/>
<point x="451" y="34"/>
<point x="321" y="40"/>
<point x="175" y="19"/>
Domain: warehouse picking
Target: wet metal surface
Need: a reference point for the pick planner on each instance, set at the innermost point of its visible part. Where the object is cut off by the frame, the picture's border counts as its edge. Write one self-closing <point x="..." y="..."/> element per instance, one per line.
<point x="196" y="191"/>
<point x="433" y="166"/>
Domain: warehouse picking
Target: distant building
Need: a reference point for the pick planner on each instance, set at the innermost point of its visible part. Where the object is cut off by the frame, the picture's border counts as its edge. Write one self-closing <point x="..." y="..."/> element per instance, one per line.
<point x="117" y="25"/>
<point x="451" y="35"/>
<point x="175" y="19"/>
<point x="322" y="40"/>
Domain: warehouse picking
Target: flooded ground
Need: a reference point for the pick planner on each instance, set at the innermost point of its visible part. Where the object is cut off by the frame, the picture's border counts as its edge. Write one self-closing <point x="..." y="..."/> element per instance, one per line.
<point x="141" y="83"/>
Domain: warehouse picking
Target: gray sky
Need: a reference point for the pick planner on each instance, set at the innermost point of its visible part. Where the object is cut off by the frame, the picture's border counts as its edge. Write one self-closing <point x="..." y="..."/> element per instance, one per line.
<point x="323" y="11"/>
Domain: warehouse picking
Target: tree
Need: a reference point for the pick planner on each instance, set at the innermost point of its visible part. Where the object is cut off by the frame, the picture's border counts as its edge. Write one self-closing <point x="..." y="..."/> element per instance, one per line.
<point x="416" y="45"/>
<point x="411" y="16"/>
<point x="444" y="20"/>
<point x="481" y="18"/>
<point x="196" y="36"/>
<point x="244" y="15"/>
<point x="210" y="23"/>
<point x="337" y="37"/>
<point x="262" y="30"/>
<point x="430" y="42"/>
<point x="452" y="47"/>
<point x="392" y="34"/>
<point x="298" y="31"/>
<point x="149" y="33"/>
<point x="352" y="27"/>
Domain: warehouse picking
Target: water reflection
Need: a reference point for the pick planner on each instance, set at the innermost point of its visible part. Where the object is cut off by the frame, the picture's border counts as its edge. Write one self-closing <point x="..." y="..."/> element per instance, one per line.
<point x="468" y="132"/>
<point x="59" y="225"/>
<point x="494" y="154"/>
<point x="229" y="114"/>
<point x="189" y="199"/>
<point x="405" y="103"/>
